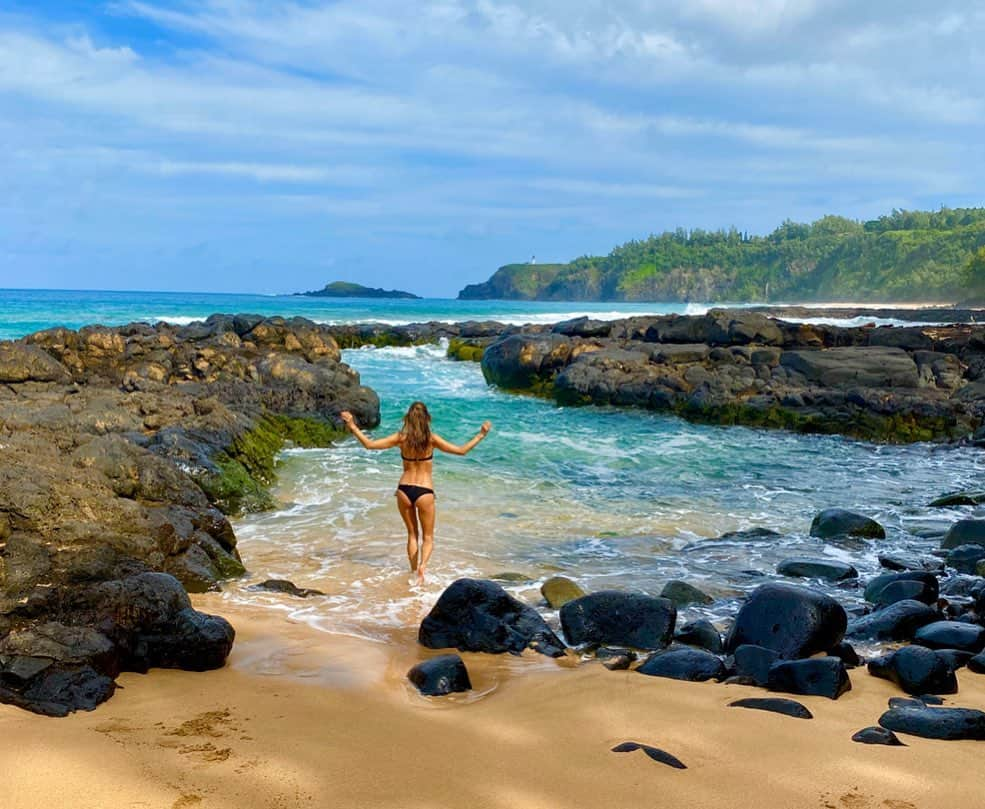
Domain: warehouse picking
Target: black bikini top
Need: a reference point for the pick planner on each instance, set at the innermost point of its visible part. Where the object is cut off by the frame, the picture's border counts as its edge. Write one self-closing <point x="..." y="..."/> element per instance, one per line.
<point x="428" y="458"/>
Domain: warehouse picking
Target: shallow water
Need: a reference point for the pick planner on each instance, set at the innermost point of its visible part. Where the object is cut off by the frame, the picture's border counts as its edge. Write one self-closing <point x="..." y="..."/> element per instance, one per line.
<point x="613" y="498"/>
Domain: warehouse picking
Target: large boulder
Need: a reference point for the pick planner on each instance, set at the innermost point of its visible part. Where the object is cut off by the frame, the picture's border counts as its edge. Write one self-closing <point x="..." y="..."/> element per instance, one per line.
<point x="517" y="361"/>
<point x="888" y="588"/>
<point x="143" y="621"/>
<point x="950" y="724"/>
<point x="475" y="615"/>
<point x="952" y="635"/>
<point x="614" y="618"/>
<point x="818" y="676"/>
<point x="916" y="670"/>
<point x="693" y="665"/>
<point x="806" y="568"/>
<point x="964" y="532"/>
<point x="898" y="621"/>
<point x="837" y="522"/>
<point x="793" y="621"/>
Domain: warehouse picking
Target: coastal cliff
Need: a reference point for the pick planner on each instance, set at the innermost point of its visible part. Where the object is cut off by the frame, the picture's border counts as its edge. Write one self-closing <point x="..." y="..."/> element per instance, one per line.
<point x="123" y="451"/>
<point x="903" y="256"/>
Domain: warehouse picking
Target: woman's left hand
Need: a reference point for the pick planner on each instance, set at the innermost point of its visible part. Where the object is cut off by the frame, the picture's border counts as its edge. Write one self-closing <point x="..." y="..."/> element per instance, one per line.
<point x="486" y="427"/>
<point x="347" y="418"/>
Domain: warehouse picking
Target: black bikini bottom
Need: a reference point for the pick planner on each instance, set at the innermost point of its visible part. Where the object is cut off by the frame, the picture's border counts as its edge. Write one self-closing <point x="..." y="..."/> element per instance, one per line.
<point x="414" y="492"/>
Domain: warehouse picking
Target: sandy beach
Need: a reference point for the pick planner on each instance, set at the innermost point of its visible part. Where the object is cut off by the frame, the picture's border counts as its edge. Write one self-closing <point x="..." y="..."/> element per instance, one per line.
<point x="302" y="718"/>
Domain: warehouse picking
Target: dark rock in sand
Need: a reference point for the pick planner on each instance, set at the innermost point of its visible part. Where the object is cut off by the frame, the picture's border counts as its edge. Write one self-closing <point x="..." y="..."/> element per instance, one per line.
<point x="906" y="702"/>
<point x="787" y="707"/>
<point x="951" y="724"/>
<point x="475" y="615"/>
<point x="977" y="663"/>
<point x="888" y="588"/>
<point x="899" y="621"/>
<point x="661" y="756"/>
<point x="615" y="659"/>
<point x="836" y="522"/>
<point x="693" y="665"/>
<point x="286" y="587"/>
<point x="559" y="590"/>
<point x="793" y="621"/>
<point x="955" y="658"/>
<point x="951" y="635"/>
<point x="682" y="594"/>
<point x="916" y="670"/>
<point x="623" y="619"/>
<point x="818" y="676"/>
<point x="964" y="532"/>
<point x="805" y="568"/>
<point x="754" y="663"/>
<point x="441" y="675"/>
<point x="701" y="633"/>
<point x="965" y="558"/>
<point x="846" y="653"/>
<point x="877" y="735"/>
<point x="971" y="498"/>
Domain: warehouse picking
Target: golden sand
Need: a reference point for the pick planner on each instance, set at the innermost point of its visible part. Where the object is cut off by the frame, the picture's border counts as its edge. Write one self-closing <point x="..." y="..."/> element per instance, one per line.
<point x="300" y="718"/>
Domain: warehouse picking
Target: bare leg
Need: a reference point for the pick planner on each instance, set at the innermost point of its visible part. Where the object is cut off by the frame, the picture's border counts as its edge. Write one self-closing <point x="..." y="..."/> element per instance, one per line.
<point x="426" y="513"/>
<point x="409" y="515"/>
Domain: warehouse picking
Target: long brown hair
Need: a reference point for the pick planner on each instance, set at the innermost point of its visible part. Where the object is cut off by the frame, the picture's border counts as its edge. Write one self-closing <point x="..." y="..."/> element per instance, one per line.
<point x="417" y="429"/>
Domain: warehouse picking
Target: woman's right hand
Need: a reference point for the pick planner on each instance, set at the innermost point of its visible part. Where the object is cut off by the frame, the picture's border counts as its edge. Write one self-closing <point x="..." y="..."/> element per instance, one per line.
<point x="486" y="427"/>
<point x="347" y="419"/>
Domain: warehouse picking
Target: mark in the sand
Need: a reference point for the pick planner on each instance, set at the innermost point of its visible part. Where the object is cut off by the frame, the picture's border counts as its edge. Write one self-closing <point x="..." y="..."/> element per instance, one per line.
<point x="206" y="752"/>
<point x="856" y="799"/>
<point x="184" y="801"/>
<point x="210" y="723"/>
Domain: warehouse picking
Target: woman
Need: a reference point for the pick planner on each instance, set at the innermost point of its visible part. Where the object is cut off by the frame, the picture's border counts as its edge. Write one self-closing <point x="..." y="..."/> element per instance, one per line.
<point x="415" y="491"/>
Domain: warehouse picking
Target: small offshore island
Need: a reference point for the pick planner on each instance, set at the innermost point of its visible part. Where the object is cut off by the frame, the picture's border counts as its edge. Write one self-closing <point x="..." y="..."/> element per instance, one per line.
<point x="347" y="289"/>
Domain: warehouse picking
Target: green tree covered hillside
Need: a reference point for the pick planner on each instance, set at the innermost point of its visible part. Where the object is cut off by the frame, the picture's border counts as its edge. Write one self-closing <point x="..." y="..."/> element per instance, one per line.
<point x="904" y="256"/>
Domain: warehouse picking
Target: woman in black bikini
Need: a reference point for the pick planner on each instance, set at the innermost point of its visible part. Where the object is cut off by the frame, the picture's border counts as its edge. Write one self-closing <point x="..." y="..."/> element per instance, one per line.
<point x="415" y="491"/>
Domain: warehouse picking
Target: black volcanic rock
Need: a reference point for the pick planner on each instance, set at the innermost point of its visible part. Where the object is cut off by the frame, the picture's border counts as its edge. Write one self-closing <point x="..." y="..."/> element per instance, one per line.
<point x="793" y="621"/>
<point x="817" y="676"/>
<point x="949" y="724"/>
<point x="475" y="615"/>
<point x="787" y="707"/>
<point x="609" y="617"/>
<point x="916" y="670"/>
<point x="898" y="621"/>
<point x="441" y="675"/>
<point x="952" y="635"/>
<point x="837" y="522"/>
<point x="693" y="665"/>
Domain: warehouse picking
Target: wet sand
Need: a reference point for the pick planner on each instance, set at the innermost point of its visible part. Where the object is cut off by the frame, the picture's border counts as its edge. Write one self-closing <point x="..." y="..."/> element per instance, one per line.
<point x="301" y="718"/>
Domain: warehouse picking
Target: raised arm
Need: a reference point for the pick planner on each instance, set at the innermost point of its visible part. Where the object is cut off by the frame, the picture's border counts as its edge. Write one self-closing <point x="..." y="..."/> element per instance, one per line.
<point x="455" y="449"/>
<point x="365" y="440"/>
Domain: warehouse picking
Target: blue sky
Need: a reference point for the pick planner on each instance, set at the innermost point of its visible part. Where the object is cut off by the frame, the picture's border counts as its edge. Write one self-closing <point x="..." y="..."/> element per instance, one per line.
<point x="229" y="145"/>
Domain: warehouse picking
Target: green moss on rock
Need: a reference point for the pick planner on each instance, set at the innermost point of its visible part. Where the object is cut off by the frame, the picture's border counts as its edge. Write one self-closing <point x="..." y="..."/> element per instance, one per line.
<point x="459" y="349"/>
<point x="247" y="467"/>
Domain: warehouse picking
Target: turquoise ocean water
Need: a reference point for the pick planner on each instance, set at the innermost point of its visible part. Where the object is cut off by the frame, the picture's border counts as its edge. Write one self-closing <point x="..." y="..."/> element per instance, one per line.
<point x="612" y="498"/>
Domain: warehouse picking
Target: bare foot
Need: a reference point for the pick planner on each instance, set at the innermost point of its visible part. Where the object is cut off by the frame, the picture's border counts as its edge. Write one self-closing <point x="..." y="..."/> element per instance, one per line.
<point x="420" y="574"/>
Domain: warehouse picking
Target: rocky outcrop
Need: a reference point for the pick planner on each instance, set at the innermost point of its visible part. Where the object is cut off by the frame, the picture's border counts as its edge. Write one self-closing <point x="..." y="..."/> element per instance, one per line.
<point x="123" y="450"/>
<point x="741" y="367"/>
